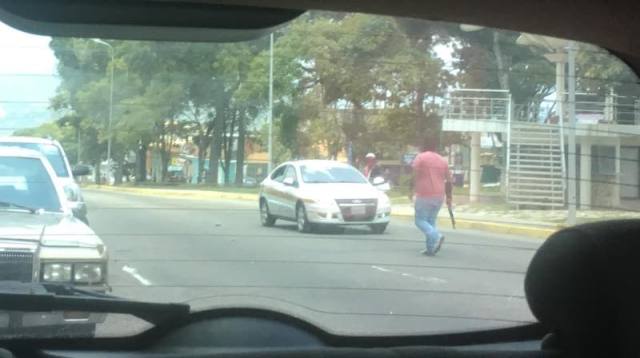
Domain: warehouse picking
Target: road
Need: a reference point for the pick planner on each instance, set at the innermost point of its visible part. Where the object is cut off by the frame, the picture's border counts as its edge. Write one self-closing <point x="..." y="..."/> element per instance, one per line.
<point x="216" y="254"/>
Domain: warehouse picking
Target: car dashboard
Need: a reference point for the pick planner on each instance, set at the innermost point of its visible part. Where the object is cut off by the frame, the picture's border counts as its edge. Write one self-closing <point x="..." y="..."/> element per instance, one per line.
<point x="263" y="333"/>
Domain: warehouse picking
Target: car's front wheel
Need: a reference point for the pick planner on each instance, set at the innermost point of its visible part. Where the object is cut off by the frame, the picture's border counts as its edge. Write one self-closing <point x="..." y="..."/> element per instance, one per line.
<point x="266" y="218"/>
<point x="301" y="218"/>
<point x="378" y="228"/>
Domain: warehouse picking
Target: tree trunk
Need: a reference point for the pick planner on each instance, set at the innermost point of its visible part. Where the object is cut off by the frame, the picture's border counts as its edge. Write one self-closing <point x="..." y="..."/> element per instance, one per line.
<point x="240" y="151"/>
<point x="228" y="148"/>
<point x="202" y="148"/>
<point x="164" y="157"/>
<point x="503" y="76"/>
<point x="420" y="117"/>
<point x="97" y="175"/>
<point x="216" y="148"/>
<point x="141" y="163"/>
<point x="118" y="173"/>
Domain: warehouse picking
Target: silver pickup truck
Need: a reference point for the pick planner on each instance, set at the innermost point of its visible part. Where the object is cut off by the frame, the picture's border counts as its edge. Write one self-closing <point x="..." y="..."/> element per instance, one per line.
<point x="40" y="239"/>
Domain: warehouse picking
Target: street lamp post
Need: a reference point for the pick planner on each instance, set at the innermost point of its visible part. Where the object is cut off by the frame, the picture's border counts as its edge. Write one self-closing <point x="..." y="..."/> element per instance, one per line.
<point x="270" y="140"/>
<point x="109" y="136"/>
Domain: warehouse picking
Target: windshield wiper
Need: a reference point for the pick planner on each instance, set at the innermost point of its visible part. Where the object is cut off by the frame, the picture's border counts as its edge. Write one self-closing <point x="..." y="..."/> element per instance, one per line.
<point x="38" y="297"/>
<point x="18" y="206"/>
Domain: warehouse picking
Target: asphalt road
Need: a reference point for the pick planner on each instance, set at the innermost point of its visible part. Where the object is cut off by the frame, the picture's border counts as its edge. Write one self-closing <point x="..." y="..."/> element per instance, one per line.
<point x="216" y="254"/>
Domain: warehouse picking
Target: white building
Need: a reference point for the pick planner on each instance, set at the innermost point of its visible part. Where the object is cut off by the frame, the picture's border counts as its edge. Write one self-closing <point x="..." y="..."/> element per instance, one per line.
<point x="607" y="134"/>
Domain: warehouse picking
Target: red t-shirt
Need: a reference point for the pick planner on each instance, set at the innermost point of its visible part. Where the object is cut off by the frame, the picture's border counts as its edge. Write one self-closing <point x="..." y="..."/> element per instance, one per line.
<point x="431" y="171"/>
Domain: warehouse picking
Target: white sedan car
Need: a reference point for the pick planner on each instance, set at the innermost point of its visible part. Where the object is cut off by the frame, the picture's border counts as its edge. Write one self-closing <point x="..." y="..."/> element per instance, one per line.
<point x="317" y="193"/>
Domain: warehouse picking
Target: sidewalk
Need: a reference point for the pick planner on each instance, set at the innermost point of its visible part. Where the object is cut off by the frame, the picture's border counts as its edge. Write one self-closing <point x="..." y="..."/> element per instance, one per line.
<point x="503" y="222"/>
<point x="532" y="223"/>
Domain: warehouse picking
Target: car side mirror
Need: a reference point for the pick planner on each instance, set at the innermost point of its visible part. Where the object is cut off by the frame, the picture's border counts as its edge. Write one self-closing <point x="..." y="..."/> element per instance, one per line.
<point x="80" y="170"/>
<point x="289" y="181"/>
<point x="378" y="181"/>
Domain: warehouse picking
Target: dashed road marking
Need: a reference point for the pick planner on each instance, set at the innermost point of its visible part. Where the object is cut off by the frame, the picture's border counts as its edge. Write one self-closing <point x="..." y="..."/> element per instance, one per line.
<point x="434" y="280"/>
<point x="134" y="273"/>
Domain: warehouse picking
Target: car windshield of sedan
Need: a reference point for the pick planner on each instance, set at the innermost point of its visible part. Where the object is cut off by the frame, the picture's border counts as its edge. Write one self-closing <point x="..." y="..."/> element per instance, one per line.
<point x="317" y="174"/>
<point x="195" y="153"/>
<point x="24" y="182"/>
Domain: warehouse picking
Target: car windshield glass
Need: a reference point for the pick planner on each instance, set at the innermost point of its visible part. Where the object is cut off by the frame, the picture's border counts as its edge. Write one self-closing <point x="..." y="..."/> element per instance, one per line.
<point x="317" y="173"/>
<point x="188" y="143"/>
<point x="25" y="182"/>
<point x="50" y="151"/>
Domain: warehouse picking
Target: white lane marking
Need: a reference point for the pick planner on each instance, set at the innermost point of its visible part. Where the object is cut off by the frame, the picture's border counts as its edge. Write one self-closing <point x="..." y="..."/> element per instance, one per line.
<point x="435" y="280"/>
<point x="134" y="273"/>
<point x="380" y="268"/>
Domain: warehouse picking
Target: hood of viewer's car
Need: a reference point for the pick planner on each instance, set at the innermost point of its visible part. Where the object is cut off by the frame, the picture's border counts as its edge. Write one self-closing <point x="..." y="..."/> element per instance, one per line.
<point x="51" y="229"/>
<point x="341" y="190"/>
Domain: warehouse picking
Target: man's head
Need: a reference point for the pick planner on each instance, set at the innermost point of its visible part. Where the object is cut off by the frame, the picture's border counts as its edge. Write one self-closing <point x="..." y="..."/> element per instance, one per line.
<point x="370" y="158"/>
<point x="430" y="143"/>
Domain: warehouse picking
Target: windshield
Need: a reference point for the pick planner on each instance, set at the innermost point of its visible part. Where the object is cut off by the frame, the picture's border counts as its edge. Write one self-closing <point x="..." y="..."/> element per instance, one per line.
<point x="50" y="151"/>
<point x="318" y="173"/>
<point x="25" y="182"/>
<point x="205" y="160"/>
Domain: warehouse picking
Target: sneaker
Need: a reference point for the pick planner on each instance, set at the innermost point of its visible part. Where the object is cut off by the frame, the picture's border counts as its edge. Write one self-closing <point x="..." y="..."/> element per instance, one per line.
<point x="426" y="252"/>
<point x="439" y="245"/>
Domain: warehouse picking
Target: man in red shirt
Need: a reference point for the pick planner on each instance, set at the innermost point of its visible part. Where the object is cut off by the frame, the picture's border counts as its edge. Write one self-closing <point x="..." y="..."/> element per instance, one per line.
<point x="431" y="183"/>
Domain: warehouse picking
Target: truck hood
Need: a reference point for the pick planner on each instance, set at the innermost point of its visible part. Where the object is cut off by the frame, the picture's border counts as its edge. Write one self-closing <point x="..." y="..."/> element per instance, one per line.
<point x="49" y="229"/>
<point x="342" y="191"/>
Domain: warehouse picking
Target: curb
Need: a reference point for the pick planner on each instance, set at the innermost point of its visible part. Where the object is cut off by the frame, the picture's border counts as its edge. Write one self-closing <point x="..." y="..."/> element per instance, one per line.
<point x="487" y="226"/>
<point x="189" y="194"/>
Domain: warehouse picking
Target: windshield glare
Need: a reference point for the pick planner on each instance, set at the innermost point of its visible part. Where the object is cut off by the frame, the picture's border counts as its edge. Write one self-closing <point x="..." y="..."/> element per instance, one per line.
<point x="315" y="174"/>
<point x="205" y="163"/>
<point x="25" y="182"/>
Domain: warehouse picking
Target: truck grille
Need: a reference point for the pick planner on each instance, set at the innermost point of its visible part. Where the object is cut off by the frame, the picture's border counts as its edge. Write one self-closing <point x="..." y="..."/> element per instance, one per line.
<point x="16" y="265"/>
<point x="358" y="209"/>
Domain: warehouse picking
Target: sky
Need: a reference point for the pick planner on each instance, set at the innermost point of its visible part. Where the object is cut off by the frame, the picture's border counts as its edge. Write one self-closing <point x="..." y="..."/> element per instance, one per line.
<point x="23" y="53"/>
<point x="27" y="79"/>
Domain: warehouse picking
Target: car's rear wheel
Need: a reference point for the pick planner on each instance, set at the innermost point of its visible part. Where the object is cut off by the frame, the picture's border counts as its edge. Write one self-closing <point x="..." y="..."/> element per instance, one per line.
<point x="378" y="228"/>
<point x="266" y="218"/>
<point x="301" y="218"/>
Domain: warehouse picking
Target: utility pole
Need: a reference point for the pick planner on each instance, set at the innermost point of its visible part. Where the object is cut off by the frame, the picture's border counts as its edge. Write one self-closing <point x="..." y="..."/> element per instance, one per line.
<point x="109" y="136"/>
<point x="270" y="140"/>
<point x="571" y="135"/>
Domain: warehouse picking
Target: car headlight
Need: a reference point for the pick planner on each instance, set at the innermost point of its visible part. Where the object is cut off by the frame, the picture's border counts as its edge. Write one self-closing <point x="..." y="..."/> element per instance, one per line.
<point x="384" y="201"/>
<point x="87" y="273"/>
<point x="57" y="272"/>
<point x="321" y="202"/>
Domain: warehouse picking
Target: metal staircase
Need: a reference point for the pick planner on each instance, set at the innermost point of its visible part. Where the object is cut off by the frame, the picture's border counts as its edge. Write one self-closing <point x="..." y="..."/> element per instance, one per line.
<point x="536" y="167"/>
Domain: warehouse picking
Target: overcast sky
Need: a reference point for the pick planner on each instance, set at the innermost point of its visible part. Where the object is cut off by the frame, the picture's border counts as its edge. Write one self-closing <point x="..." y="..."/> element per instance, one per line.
<point x="22" y="53"/>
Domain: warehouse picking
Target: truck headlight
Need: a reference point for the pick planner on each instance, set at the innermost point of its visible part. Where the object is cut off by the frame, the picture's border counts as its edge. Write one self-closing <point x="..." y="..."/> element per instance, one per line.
<point x="87" y="273"/>
<point x="56" y="272"/>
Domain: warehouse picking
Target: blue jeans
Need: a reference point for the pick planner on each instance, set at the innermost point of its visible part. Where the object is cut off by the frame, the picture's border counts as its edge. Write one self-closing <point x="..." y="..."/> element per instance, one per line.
<point x="426" y="213"/>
